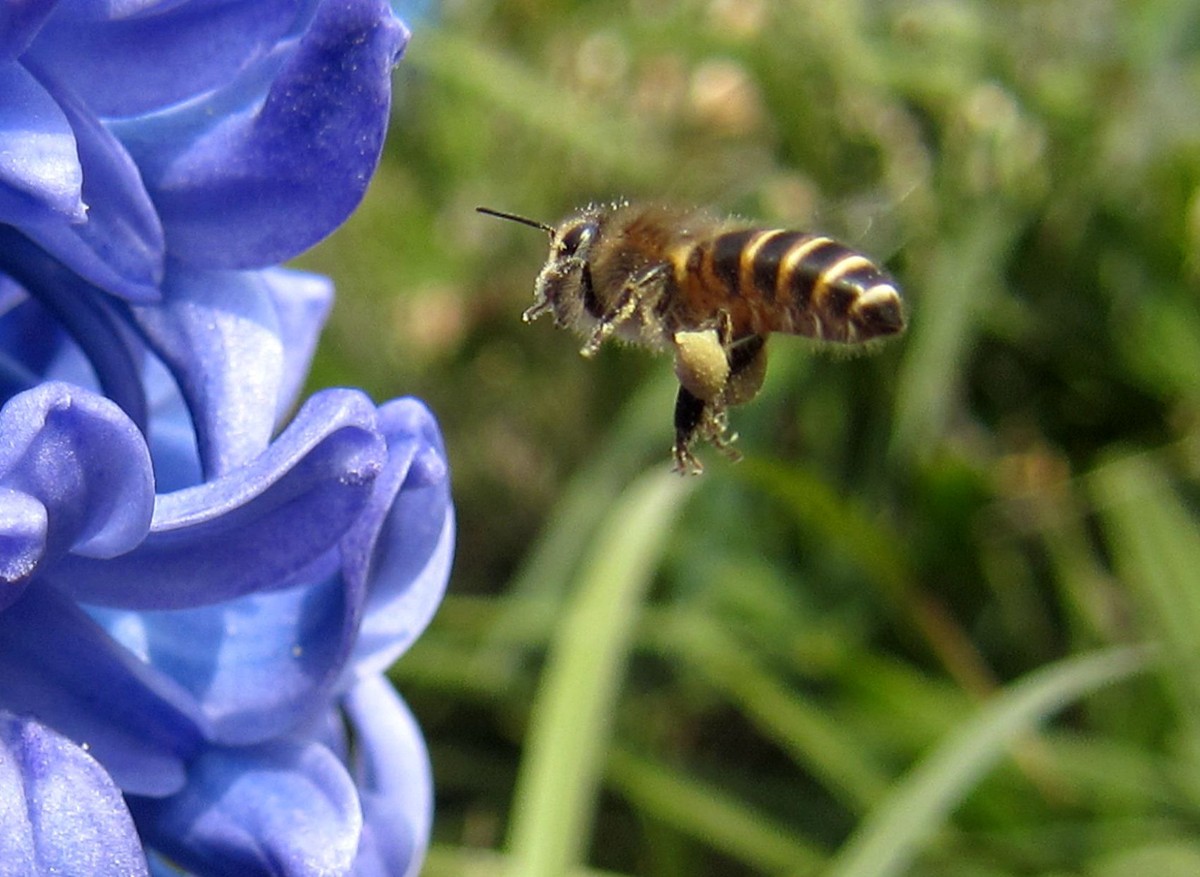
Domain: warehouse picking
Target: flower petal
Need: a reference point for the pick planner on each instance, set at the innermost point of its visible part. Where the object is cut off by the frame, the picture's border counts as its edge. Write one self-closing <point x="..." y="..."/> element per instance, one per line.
<point x="284" y="809"/>
<point x="302" y="303"/>
<point x="135" y="63"/>
<point x="19" y="24"/>
<point x="58" y="665"/>
<point x="85" y="461"/>
<point x="118" y="246"/>
<point x="391" y="767"/>
<point x="404" y="543"/>
<point x="30" y="339"/>
<point x="257" y="666"/>
<point x="234" y="316"/>
<point x="88" y="314"/>
<point x="22" y="542"/>
<point x="265" y="184"/>
<point x="59" y="811"/>
<point x="257" y="528"/>
<point x="170" y="433"/>
<point x="218" y="334"/>
<point x="40" y="174"/>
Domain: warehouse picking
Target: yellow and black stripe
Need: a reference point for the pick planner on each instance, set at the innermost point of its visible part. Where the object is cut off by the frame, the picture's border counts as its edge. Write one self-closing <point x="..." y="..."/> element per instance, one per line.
<point x="798" y="283"/>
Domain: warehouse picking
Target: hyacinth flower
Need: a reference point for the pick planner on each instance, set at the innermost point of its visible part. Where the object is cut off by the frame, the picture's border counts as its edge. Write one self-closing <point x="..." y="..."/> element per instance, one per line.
<point x="202" y="579"/>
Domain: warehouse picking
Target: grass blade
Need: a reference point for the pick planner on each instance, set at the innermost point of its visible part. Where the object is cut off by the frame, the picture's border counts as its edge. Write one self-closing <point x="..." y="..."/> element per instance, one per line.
<point x="891" y="837"/>
<point x="716" y="818"/>
<point x="1156" y="551"/>
<point x="569" y="729"/>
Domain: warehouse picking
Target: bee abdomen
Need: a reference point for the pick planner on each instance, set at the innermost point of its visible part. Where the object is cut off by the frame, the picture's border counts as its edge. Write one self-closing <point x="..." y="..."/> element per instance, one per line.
<point x="797" y="283"/>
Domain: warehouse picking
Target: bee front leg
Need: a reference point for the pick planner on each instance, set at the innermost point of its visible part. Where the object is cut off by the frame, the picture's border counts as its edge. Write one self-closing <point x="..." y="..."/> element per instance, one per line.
<point x="642" y="288"/>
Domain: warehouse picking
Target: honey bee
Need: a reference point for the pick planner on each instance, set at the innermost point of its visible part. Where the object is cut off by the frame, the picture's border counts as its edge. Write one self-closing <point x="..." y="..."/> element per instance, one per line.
<point x="710" y="291"/>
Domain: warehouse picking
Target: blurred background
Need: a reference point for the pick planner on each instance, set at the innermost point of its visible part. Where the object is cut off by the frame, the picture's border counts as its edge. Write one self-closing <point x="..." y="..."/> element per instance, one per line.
<point x="944" y="618"/>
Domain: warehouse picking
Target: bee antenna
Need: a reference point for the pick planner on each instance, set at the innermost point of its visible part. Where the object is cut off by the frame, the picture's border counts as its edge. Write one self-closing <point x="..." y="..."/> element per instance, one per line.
<point x="524" y="220"/>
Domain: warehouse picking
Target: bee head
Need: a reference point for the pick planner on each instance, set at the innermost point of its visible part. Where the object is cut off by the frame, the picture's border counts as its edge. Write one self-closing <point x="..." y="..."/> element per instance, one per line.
<point x="571" y="240"/>
<point x="563" y="286"/>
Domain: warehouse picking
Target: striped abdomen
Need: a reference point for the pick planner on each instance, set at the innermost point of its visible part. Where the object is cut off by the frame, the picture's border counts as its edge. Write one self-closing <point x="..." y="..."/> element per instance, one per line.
<point x="772" y="280"/>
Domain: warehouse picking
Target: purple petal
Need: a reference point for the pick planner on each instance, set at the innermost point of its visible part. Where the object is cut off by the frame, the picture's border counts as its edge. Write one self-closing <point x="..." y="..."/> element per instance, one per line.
<point x="391" y="767"/>
<point x="404" y="543"/>
<point x="116" y="10"/>
<point x="61" y="812"/>
<point x="87" y="314"/>
<point x="161" y="866"/>
<point x="136" y="63"/>
<point x="263" y="185"/>
<point x="170" y="433"/>
<point x="84" y="460"/>
<point x="257" y="666"/>
<point x="218" y="334"/>
<point x="56" y="664"/>
<point x="258" y="528"/>
<point x="118" y="246"/>
<point x="29" y="336"/>
<point x="20" y="21"/>
<point x="40" y="175"/>
<point x="284" y="809"/>
<point x="22" y="542"/>
<point x="302" y="303"/>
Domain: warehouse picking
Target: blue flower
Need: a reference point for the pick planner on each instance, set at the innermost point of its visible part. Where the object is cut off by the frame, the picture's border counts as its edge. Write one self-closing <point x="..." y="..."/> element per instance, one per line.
<point x="198" y="594"/>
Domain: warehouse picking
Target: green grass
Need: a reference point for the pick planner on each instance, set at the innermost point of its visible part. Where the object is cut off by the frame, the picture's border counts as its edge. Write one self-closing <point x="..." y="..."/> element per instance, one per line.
<point x="943" y="619"/>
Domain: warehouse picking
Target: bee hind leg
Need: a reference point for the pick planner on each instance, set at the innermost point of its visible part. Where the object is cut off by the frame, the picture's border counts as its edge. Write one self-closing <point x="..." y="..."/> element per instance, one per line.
<point x="689" y="414"/>
<point x="747" y="369"/>
<point x="714" y="374"/>
<point x="697" y="420"/>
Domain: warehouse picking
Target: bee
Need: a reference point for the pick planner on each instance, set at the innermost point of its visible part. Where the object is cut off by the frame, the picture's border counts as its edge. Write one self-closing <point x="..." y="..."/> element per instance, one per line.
<point x="710" y="291"/>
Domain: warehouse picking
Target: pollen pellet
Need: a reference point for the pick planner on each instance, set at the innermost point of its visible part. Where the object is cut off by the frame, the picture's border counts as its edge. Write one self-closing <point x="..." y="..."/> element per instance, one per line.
<point x="701" y="363"/>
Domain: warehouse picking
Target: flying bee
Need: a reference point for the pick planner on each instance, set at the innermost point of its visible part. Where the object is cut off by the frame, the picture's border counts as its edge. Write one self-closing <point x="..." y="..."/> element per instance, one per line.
<point x="710" y="291"/>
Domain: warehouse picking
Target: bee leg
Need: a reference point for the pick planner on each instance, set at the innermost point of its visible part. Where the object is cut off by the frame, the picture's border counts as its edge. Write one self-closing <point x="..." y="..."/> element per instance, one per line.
<point x="644" y="286"/>
<point x="554" y="276"/>
<point x="697" y="420"/>
<point x="715" y="430"/>
<point x="705" y="365"/>
<point x="689" y="414"/>
<point x="701" y="363"/>
<point x="747" y="368"/>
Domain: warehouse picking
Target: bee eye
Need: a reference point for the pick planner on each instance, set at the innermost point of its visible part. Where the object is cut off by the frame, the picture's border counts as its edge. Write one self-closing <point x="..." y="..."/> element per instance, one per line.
<point x="576" y="237"/>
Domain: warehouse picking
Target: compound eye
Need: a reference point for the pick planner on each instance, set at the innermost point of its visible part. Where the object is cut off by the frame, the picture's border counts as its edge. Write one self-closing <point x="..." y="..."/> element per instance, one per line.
<point x="576" y="237"/>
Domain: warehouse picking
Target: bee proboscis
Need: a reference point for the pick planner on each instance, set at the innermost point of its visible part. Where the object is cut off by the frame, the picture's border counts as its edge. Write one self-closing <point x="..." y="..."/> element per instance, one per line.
<point x="710" y="291"/>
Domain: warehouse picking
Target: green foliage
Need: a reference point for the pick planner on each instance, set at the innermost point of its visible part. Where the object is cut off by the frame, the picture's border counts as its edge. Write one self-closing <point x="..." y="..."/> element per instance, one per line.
<point x="912" y="631"/>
